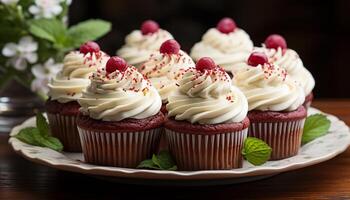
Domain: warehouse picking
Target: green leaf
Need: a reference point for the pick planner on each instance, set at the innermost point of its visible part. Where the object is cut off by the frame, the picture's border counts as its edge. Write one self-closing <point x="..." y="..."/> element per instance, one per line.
<point x="256" y="151"/>
<point x="148" y="164"/>
<point x="88" y="30"/>
<point x="165" y="160"/>
<point x="50" y="142"/>
<point x="52" y="30"/>
<point x="49" y="29"/>
<point x="315" y="126"/>
<point x="40" y="135"/>
<point x="162" y="161"/>
<point x="42" y="124"/>
<point x="26" y="135"/>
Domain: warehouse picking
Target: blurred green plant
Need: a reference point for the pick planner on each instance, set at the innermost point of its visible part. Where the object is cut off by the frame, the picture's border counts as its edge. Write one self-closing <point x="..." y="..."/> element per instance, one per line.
<point x="34" y="38"/>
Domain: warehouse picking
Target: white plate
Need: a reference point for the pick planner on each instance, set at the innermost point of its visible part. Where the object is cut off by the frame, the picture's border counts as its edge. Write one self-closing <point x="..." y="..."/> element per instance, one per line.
<point x="319" y="150"/>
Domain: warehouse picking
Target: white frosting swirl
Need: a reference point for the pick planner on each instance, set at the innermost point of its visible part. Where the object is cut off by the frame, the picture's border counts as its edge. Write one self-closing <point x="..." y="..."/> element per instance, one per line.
<point x="290" y="60"/>
<point x="139" y="47"/>
<point x="207" y="98"/>
<point x="268" y="88"/>
<point x="74" y="76"/>
<point x="163" y="70"/>
<point x="120" y="95"/>
<point x="227" y="50"/>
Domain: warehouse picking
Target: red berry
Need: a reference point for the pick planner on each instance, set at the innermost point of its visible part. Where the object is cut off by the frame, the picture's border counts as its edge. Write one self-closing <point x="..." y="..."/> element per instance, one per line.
<point x="170" y="47"/>
<point x="274" y="41"/>
<point x="205" y="63"/>
<point x="149" y="27"/>
<point x="89" y="47"/>
<point x="257" y="58"/>
<point x="116" y="63"/>
<point x="226" y="25"/>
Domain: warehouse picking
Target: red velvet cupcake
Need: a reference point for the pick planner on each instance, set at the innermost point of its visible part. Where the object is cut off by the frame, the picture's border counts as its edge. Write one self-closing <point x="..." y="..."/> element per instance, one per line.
<point x="120" y="122"/>
<point x="62" y="107"/>
<point x="140" y="44"/>
<point x="164" y="67"/>
<point x="275" y="105"/>
<point x="275" y="47"/>
<point x="207" y="121"/>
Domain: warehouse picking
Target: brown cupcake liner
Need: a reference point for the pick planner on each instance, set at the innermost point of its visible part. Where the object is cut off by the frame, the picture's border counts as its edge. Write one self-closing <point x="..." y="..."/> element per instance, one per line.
<point x="283" y="137"/>
<point x="64" y="127"/>
<point x="207" y="152"/>
<point x="118" y="149"/>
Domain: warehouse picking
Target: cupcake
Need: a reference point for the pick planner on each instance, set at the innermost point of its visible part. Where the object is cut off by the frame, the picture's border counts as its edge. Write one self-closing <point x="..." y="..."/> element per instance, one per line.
<point x="64" y="90"/>
<point x="275" y="47"/>
<point x="207" y="119"/>
<point x="140" y="44"/>
<point x="226" y="44"/>
<point x="120" y="121"/>
<point x="164" y="67"/>
<point x="275" y="103"/>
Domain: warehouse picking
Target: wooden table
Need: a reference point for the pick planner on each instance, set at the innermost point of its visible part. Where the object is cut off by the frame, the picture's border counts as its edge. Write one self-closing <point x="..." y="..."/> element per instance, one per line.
<point x="21" y="179"/>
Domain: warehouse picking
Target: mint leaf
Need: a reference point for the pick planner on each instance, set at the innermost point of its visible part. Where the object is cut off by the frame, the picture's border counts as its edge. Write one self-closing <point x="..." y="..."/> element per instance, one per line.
<point x="42" y="124"/>
<point x="148" y="164"/>
<point x="48" y="29"/>
<point x="165" y="160"/>
<point x="26" y="135"/>
<point x="88" y="30"/>
<point x="50" y="142"/>
<point x="54" y="143"/>
<point x="162" y="161"/>
<point x="315" y="126"/>
<point x="256" y="151"/>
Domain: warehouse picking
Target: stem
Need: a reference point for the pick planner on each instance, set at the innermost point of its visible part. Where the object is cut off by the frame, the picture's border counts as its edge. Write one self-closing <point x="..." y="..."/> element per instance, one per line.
<point x="5" y="79"/>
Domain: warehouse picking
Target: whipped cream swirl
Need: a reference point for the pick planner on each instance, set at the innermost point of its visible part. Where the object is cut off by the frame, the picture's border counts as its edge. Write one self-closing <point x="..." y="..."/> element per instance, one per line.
<point x="74" y="77"/>
<point x="164" y="70"/>
<point x="290" y="60"/>
<point x="268" y="88"/>
<point x="120" y="95"/>
<point x="227" y="50"/>
<point x="139" y="47"/>
<point x="207" y="98"/>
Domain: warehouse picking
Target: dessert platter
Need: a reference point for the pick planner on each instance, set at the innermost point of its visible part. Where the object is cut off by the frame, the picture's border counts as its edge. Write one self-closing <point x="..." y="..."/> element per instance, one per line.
<point x="228" y="112"/>
<point x="317" y="151"/>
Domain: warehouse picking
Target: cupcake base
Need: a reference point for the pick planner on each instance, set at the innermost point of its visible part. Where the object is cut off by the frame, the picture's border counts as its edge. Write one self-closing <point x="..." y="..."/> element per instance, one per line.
<point x="308" y="100"/>
<point x="120" y="144"/>
<point x="62" y="120"/>
<point x="206" y="147"/>
<point x="282" y="131"/>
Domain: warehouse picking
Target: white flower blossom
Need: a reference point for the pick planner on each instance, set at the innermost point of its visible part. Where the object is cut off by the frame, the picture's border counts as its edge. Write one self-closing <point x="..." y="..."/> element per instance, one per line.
<point x="21" y="53"/>
<point x="7" y="2"/>
<point x="46" y="8"/>
<point x="68" y="2"/>
<point x="43" y="73"/>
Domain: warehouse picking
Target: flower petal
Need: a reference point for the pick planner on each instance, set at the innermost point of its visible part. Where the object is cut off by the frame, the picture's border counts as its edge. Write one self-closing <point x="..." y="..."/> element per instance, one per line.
<point x="27" y="44"/>
<point x="19" y="63"/>
<point x="38" y="71"/>
<point x="34" y="9"/>
<point x="9" y="50"/>
<point x="30" y="57"/>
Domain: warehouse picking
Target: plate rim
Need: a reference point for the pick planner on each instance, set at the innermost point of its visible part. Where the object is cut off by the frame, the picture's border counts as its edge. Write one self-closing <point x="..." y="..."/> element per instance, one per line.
<point x="170" y="175"/>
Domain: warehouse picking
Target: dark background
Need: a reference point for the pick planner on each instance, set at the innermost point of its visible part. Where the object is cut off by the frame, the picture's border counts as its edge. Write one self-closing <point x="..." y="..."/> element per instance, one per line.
<point x="317" y="30"/>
